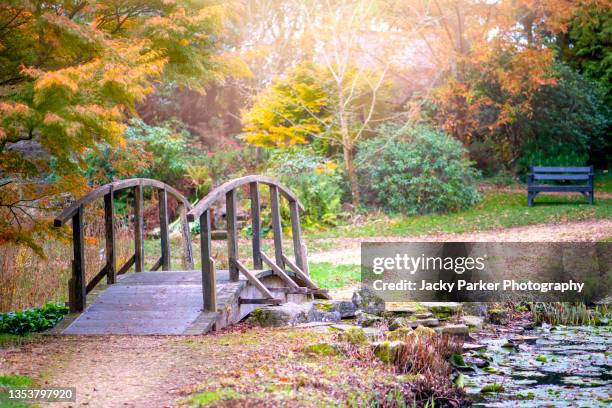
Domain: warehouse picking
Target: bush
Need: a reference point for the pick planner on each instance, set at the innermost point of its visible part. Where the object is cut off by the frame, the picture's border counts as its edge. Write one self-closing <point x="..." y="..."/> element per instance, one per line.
<point x="416" y="170"/>
<point x="32" y="320"/>
<point x="315" y="180"/>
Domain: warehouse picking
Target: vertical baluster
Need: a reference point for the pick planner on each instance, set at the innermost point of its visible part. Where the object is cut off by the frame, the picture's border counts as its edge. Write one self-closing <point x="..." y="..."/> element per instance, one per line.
<point x="296" y="231"/>
<point x="77" y="284"/>
<point x="186" y="233"/>
<point x="163" y="229"/>
<point x="139" y="228"/>
<point x="256" y="225"/>
<point x="276" y="226"/>
<point x="208" y="270"/>
<point x="109" y="221"/>
<point x="232" y="234"/>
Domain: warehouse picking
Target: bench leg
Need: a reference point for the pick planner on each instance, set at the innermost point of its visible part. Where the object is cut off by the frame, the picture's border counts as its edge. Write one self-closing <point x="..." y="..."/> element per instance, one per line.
<point x="591" y="198"/>
<point x="530" y="197"/>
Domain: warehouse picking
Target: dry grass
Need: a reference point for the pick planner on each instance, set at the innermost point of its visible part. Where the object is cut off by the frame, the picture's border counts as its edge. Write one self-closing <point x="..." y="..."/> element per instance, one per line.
<point x="27" y="280"/>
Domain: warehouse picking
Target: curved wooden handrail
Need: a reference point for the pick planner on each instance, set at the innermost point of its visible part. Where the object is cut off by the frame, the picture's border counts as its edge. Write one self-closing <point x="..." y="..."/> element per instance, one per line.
<point x="79" y="287"/>
<point x="220" y="191"/>
<point x="101" y="191"/>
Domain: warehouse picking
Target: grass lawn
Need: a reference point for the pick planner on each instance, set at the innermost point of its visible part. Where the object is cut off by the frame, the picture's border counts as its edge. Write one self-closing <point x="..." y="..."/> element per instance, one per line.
<point x="13" y="381"/>
<point x="330" y="276"/>
<point x="496" y="210"/>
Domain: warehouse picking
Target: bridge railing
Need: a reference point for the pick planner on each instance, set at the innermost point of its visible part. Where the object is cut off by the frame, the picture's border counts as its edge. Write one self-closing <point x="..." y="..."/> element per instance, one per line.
<point x="78" y="285"/>
<point x="202" y="212"/>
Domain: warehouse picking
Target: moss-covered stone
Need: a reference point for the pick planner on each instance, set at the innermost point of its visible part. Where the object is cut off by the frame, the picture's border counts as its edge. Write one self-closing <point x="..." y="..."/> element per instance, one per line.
<point x="322" y="349"/>
<point x="353" y="335"/>
<point x="387" y="351"/>
<point x="401" y="333"/>
<point x="422" y="331"/>
<point x="496" y="316"/>
<point x="324" y="306"/>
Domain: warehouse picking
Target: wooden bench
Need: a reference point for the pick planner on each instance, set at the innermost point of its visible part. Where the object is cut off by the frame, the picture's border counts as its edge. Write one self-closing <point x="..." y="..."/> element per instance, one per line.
<point x="542" y="174"/>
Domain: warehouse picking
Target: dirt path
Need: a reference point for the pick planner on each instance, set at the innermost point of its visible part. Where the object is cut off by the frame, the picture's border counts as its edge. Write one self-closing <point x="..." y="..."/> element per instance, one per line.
<point x="260" y="367"/>
<point x="348" y="249"/>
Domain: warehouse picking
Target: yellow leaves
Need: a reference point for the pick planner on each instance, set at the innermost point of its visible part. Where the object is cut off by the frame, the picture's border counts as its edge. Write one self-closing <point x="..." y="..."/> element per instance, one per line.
<point x="231" y="64"/>
<point x="60" y="79"/>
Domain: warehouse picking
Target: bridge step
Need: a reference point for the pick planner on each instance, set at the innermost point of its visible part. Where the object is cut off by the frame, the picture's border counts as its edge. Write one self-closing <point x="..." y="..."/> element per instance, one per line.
<point x="242" y="301"/>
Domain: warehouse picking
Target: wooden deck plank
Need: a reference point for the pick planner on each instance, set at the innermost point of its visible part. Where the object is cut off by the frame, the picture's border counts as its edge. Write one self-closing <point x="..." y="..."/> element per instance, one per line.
<point x="165" y="303"/>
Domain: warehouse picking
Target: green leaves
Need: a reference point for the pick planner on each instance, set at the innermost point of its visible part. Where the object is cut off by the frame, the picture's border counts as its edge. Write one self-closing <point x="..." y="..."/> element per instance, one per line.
<point x="416" y="171"/>
<point x="32" y="320"/>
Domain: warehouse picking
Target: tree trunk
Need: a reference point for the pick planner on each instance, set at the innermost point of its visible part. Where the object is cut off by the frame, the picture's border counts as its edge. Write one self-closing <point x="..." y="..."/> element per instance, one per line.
<point x="347" y="148"/>
<point x="350" y="170"/>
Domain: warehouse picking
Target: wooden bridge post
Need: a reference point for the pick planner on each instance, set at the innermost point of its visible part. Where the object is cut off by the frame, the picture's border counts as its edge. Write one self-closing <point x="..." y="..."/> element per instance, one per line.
<point x="232" y="234"/>
<point x="109" y="221"/>
<point x="208" y="269"/>
<point x="296" y="232"/>
<point x="163" y="230"/>
<point x="256" y="225"/>
<point x="186" y="233"/>
<point x="138" y="228"/>
<point x="77" y="283"/>
<point x="277" y="227"/>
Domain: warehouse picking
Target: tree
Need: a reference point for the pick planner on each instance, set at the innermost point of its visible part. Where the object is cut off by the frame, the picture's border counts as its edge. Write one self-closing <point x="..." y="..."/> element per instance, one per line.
<point x="294" y="109"/>
<point x="479" y="44"/>
<point x="343" y="32"/>
<point x="303" y="107"/>
<point x="586" y="45"/>
<point x="71" y="72"/>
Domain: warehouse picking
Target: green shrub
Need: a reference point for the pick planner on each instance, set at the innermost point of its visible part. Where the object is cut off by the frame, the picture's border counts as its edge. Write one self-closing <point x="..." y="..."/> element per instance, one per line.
<point x="315" y="180"/>
<point x="32" y="320"/>
<point x="415" y="171"/>
<point x="568" y="125"/>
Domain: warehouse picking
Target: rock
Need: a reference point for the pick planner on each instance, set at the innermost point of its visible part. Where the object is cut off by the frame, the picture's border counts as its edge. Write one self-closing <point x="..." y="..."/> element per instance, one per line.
<point x="497" y="316"/>
<point x="322" y="349"/>
<point x="373" y="333"/>
<point x="473" y="347"/>
<point x="326" y="316"/>
<point x="422" y="331"/>
<point x="473" y="322"/>
<point x="402" y="307"/>
<point x="443" y="309"/>
<point x="423" y="315"/>
<point x="523" y="339"/>
<point x="367" y="320"/>
<point x="399" y="322"/>
<point x="431" y="322"/>
<point x="283" y="315"/>
<point x="453" y="329"/>
<point x="324" y="312"/>
<point x="387" y="351"/>
<point x="366" y="300"/>
<point x="345" y="308"/>
<point x="354" y="335"/>
<point x="399" y="334"/>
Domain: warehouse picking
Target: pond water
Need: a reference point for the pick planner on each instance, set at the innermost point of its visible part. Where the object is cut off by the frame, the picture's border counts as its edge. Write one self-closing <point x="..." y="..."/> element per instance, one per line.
<point x="558" y="367"/>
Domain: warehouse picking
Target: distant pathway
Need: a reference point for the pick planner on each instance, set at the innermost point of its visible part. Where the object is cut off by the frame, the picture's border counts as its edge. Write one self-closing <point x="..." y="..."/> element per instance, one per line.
<point x="348" y="249"/>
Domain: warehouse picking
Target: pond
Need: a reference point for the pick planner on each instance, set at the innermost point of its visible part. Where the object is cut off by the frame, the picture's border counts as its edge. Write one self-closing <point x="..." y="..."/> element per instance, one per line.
<point x="548" y="366"/>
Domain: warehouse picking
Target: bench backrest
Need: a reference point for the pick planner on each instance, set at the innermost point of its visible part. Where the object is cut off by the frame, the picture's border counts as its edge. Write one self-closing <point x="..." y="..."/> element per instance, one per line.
<point x="561" y="173"/>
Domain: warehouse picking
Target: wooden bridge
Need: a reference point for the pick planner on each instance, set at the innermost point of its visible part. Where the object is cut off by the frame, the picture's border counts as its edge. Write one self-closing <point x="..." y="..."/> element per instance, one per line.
<point x="162" y="301"/>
